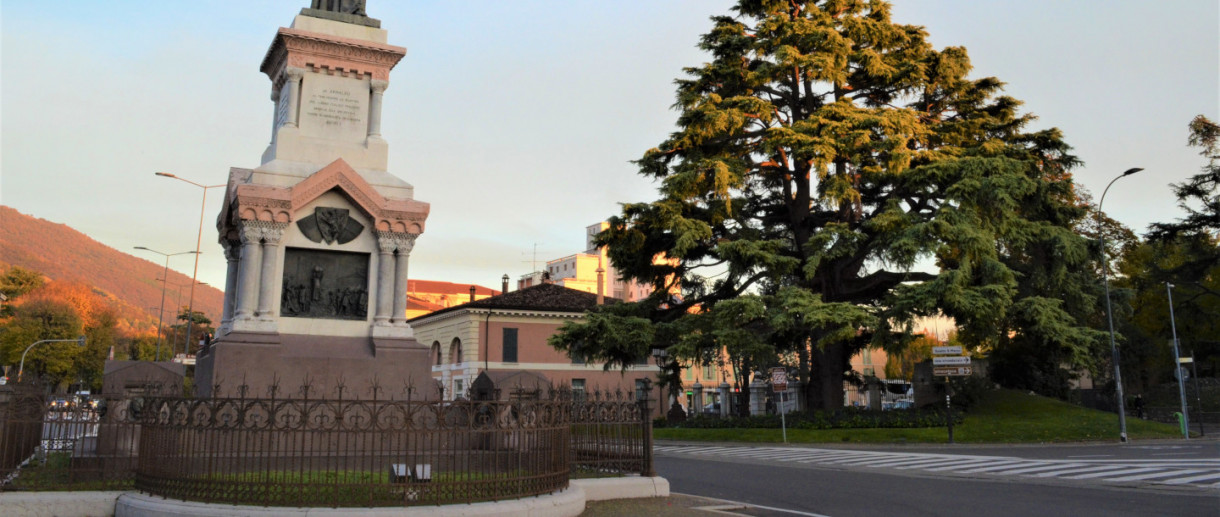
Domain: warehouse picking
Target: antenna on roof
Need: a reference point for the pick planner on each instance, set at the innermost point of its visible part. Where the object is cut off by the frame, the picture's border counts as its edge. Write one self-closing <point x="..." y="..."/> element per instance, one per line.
<point x="534" y="260"/>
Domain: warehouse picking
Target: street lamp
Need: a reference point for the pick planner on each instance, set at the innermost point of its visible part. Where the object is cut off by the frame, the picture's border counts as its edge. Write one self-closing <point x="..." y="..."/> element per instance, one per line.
<point x="190" y="304"/>
<point x="20" y="369"/>
<point x="178" y="288"/>
<point x="1178" y="370"/>
<point x="161" y="313"/>
<point x="1118" y="376"/>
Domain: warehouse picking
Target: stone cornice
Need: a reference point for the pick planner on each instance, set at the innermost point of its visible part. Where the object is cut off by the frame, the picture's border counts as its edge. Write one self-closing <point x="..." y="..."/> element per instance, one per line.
<point x="482" y="312"/>
<point x="314" y="51"/>
<point x="254" y="202"/>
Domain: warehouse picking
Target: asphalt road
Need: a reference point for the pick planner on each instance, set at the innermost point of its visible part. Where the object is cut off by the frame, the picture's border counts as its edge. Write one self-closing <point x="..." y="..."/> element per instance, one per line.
<point x="788" y="488"/>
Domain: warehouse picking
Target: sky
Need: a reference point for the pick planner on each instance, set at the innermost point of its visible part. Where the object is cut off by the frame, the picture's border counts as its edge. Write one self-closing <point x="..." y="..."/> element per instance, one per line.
<point x="518" y="120"/>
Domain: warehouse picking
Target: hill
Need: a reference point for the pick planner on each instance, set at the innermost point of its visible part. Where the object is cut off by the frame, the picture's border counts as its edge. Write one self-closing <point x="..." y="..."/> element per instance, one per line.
<point x="62" y="253"/>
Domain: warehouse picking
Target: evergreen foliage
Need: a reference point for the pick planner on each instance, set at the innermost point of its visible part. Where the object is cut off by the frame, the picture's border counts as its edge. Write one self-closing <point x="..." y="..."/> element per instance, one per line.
<point x="822" y="155"/>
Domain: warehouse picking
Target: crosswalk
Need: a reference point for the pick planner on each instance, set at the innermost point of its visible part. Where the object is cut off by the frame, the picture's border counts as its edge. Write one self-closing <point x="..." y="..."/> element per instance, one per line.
<point x="1185" y="472"/>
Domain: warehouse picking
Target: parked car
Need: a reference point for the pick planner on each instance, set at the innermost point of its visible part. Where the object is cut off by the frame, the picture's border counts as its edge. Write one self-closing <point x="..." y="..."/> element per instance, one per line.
<point x="711" y="408"/>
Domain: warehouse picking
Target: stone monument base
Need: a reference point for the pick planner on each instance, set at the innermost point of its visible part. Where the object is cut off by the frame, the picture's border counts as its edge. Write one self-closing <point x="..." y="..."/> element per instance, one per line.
<point x="324" y="363"/>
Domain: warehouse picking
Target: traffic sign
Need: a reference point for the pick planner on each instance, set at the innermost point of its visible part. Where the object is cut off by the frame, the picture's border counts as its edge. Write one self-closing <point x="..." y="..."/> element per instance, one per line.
<point x="950" y="361"/>
<point x="952" y="371"/>
<point x="947" y="350"/>
<point x="1186" y="360"/>
<point x="779" y="379"/>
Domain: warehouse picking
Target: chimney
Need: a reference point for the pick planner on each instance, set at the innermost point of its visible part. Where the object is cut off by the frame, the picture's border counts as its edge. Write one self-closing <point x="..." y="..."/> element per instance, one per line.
<point x="504" y="284"/>
<point x="472" y="293"/>
<point x="601" y="273"/>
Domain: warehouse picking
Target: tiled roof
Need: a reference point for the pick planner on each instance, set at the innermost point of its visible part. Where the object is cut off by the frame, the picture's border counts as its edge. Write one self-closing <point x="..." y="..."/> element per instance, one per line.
<point x="542" y="297"/>
<point x="414" y="303"/>
<point x="439" y="287"/>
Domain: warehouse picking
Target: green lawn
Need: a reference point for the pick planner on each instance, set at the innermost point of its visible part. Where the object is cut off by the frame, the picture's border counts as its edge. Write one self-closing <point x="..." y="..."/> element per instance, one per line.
<point x="1003" y="416"/>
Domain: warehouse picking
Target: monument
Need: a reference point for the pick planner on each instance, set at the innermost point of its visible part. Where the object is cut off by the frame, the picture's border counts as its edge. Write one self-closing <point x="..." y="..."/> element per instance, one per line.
<point x="319" y="236"/>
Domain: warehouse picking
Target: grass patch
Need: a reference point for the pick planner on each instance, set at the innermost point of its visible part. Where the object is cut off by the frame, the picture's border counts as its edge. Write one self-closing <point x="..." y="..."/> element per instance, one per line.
<point x="55" y="473"/>
<point x="1001" y="416"/>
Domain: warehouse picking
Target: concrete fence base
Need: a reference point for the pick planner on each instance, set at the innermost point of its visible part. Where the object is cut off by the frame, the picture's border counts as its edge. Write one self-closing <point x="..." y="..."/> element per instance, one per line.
<point x="567" y="502"/>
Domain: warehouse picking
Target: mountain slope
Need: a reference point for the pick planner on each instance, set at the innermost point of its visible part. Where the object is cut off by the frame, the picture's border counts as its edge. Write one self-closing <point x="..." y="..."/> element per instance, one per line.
<point x="62" y="253"/>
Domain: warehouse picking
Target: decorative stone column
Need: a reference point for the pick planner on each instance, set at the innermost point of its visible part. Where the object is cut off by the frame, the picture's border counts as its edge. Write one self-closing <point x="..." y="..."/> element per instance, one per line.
<point x="293" y="82"/>
<point x="378" y="87"/>
<point x="401" y="259"/>
<point x="248" y="270"/>
<point x="267" y="301"/>
<point x="232" y="256"/>
<point x="758" y="395"/>
<point x="385" y="278"/>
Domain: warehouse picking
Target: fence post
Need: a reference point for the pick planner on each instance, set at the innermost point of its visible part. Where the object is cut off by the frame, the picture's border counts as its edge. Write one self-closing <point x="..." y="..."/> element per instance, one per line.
<point x="646" y="416"/>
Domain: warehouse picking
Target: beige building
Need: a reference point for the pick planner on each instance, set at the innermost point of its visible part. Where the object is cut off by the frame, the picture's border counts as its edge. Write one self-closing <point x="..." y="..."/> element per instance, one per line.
<point x="580" y="271"/>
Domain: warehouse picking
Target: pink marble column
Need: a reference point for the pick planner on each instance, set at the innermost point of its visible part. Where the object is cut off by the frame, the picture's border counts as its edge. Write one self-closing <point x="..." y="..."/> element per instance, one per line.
<point x="405" y="243"/>
<point x="267" y="301"/>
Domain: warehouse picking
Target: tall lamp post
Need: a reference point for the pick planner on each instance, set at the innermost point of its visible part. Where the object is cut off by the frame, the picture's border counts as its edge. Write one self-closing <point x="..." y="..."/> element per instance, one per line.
<point x="190" y="304"/>
<point x="161" y="313"/>
<point x="178" y="288"/>
<point x="21" y="369"/>
<point x="1118" y="376"/>
<point x="1178" y="370"/>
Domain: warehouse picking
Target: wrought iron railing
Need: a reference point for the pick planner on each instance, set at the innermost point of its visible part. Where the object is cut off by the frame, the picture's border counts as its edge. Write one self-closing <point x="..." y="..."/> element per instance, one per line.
<point x="611" y="435"/>
<point x="321" y="452"/>
<point x="66" y="442"/>
<point x="301" y="452"/>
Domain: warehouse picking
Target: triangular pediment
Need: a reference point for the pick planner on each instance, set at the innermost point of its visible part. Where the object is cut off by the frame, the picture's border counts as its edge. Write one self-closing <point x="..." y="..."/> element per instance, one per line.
<point x="338" y="175"/>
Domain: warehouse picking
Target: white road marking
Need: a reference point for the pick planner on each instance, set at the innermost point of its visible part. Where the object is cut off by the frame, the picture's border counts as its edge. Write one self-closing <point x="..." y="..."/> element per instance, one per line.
<point x="1194" y="472"/>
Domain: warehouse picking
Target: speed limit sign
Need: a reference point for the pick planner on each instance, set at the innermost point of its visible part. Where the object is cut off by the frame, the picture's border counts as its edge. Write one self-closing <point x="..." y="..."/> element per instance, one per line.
<point x="779" y="379"/>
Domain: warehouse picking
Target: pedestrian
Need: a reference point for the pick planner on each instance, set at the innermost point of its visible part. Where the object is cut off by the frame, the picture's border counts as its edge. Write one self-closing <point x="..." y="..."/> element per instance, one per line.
<point x="1139" y="405"/>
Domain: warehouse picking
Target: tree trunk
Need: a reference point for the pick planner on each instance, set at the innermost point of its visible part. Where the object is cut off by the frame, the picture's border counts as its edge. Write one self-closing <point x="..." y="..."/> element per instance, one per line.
<point x="825" y="388"/>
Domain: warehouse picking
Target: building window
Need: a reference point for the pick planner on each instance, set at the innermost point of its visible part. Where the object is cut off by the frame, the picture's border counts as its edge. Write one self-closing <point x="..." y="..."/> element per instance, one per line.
<point x="455" y="351"/>
<point x="510" y="345"/>
<point x="578" y="389"/>
<point x="690" y="372"/>
<point x="867" y="355"/>
<point x="640" y="392"/>
<point x="709" y="372"/>
<point x="436" y="352"/>
<point x="458" y="389"/>
<point x="577" y="357"/>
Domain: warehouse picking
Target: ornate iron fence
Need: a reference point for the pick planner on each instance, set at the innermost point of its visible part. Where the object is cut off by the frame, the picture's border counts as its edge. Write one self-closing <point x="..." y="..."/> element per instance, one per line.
<point x="321" y="452"/>
<point x="66" y="442"/>
<point x="611" y="435"/>
<point x="301" y="452"/>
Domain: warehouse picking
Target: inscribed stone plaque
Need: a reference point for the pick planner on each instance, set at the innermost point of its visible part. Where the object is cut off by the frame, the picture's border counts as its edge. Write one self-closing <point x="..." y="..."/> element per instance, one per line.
<point x="325" y="284"/>
<point x="334" y="107"/>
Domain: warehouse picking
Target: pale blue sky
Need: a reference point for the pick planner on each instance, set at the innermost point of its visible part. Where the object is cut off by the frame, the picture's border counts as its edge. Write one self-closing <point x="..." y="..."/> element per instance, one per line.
<point x="517" y="120"/>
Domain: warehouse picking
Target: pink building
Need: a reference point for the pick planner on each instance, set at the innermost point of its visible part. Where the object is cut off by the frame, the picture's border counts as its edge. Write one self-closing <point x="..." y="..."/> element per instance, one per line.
<point x="506" y="336"/>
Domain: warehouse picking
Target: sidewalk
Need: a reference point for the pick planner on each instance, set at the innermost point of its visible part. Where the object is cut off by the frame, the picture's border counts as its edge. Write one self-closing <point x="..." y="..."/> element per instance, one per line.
<point x="676" y="505"/>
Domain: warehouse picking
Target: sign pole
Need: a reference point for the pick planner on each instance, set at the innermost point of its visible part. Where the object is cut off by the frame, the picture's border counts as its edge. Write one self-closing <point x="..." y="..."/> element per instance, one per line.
<point x="949" y="407"/>
<point x="783" y="420"/>
<point x="779" y="384"/>
<point x="1198" y="399"/>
